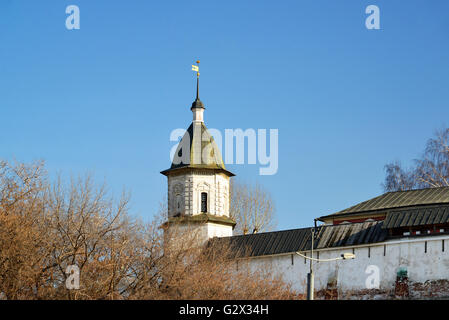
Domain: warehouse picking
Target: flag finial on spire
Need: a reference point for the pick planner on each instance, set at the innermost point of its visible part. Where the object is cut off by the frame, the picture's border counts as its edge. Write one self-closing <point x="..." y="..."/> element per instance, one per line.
<point x="197" y="69"/>
<point x="197" y="103"/>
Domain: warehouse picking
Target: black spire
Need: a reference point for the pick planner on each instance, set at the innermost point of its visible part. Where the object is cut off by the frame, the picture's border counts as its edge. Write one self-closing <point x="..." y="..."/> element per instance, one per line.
<point x="197" y="88"/>
<point x="197" y="103"/>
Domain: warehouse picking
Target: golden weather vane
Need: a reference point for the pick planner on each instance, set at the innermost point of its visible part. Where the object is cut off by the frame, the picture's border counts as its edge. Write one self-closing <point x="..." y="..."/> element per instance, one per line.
<point x="196" y="68"/>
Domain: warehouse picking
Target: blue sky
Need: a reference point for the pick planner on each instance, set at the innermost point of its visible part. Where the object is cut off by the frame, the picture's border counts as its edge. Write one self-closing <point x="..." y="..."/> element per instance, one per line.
<point x="346" y="100"/>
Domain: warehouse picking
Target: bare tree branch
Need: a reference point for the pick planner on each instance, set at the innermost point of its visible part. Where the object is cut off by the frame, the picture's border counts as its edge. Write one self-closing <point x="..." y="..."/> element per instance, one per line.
<point x="429" y="171"/>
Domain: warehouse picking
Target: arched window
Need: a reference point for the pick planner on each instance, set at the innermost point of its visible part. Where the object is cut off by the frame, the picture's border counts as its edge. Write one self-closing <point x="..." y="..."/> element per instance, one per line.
<point x="178" y="204"/>
<point x="203" y="202"/>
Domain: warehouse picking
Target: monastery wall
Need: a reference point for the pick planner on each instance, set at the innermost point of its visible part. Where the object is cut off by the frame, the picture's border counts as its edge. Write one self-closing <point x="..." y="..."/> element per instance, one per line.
<point x="373" y="271"/>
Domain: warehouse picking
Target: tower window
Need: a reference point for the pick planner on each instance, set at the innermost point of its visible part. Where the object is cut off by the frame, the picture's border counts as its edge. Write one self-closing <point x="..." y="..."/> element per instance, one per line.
<point x="203" y="202"/>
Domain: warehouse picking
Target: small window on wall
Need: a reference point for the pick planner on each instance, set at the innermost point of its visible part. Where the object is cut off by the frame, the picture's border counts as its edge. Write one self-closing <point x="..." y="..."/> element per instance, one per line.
<point x="203" y="202"/>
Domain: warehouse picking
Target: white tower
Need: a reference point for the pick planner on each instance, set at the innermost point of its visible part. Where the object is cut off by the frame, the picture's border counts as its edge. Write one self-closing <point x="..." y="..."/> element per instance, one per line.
<point x="198" y="182"/>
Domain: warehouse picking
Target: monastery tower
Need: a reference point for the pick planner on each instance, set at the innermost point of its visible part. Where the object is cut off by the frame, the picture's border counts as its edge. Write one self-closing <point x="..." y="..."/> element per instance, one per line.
<point x="198" y="182"/>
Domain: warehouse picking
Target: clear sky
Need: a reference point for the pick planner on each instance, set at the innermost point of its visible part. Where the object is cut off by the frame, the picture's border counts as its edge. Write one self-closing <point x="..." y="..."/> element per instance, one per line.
<point x="346" y="100"/>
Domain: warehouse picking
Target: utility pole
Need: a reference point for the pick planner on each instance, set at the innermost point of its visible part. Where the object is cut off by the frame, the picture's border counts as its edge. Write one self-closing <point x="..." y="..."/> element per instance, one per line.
<point x="310" y="277"/>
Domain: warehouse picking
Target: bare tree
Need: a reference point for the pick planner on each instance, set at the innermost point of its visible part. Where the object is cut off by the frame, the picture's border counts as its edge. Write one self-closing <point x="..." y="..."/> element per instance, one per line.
<point x="429" y="171"/>
<point x="252" y="208"/>
<point x="93" y="232"/>
<point x="212" y="273"/>
<point x="47" y="226"/>
<point x="397" y="178"/>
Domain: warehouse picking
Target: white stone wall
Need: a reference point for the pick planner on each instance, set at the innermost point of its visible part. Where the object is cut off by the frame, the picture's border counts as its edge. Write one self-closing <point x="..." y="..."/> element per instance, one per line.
<point x="195" y="234"/>
<point x="218" y="230"/>
<point x="350" y="274"/>
<point x="180" y="194"/>
<point x="184" y="193"/>
<point x="198" y="114"/>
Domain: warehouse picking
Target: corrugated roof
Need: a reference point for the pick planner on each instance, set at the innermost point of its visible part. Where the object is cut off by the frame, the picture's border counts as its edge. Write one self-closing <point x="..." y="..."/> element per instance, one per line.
<point x="351" y="234"/>
<point x="268" y="243"/>
<point x="417" y="217"/>
<point x="289" y="241"/>
<point x="391" y="200"/>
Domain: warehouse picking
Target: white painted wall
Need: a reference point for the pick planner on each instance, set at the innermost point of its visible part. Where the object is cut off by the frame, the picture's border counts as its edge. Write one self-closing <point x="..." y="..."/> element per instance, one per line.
<point x="350" y="274"/>
<point x="184" y="196"/>
<point x="195" y="234"/>
<point x="186" y="190"/>
<point x="218" y="230"/>
<point x="198" y="114"/>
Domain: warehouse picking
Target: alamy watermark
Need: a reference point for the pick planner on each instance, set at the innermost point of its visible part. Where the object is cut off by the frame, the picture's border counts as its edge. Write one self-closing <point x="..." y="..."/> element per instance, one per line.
<point x="373" y="279"/>
<point x="373" y="20"/>
<point x="261" y="147"/>
<point x="73" y="280"/>
<point x="73" y="20"/>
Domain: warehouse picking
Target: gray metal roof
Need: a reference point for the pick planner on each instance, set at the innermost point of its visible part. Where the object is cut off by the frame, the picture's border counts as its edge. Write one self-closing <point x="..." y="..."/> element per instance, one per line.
<point x="267" y="243"/>
<point x="391" y="200"/>
<point x="417" y="217"/>
<point x="289" y="241"/>
<point x="351" y="234"/>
